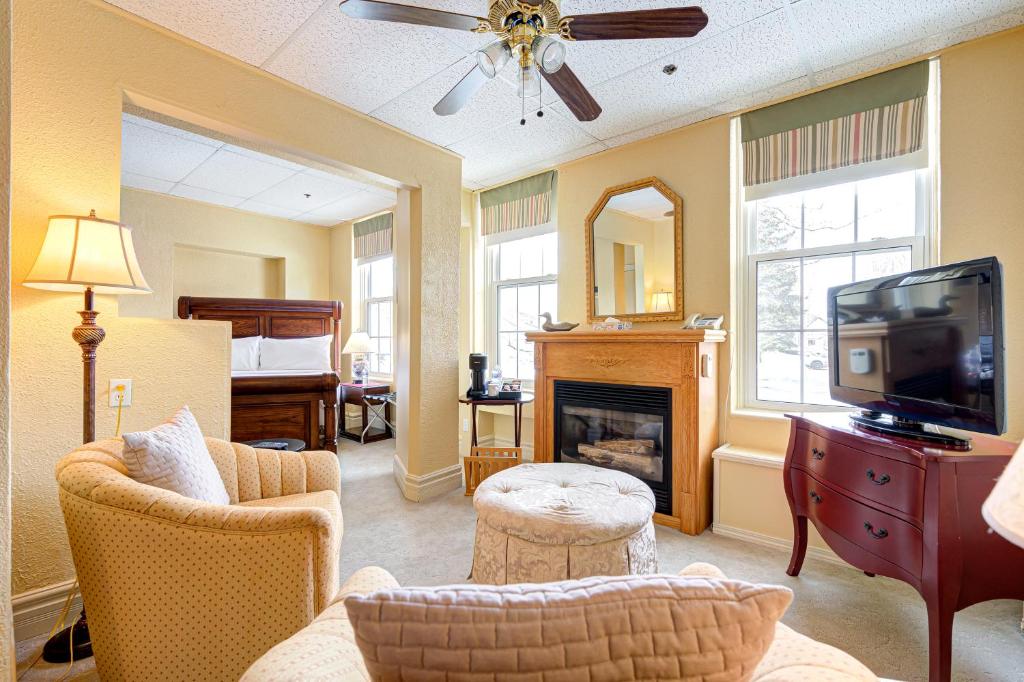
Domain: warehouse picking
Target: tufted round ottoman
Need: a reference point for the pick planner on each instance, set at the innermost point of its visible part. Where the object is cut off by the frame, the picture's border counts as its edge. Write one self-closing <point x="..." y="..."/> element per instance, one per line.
<point x="545" y="522"/>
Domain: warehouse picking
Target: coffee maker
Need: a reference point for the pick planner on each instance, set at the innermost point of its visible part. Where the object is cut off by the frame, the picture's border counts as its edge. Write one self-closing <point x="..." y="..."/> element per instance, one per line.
<point x="478" y="372"/>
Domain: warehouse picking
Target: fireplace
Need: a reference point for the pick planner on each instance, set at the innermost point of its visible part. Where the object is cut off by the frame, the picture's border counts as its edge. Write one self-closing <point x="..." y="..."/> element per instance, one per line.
<point x="621" y="427"/>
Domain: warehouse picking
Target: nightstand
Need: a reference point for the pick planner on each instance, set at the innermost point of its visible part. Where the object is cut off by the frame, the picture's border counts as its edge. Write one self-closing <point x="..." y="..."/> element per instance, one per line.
<point x="353" y="394"/>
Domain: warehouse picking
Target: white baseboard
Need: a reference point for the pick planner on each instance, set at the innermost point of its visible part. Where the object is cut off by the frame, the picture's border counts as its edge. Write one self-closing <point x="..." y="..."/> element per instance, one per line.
<point x="778" y="543"/>
<point x="491" y="441"/>
<point x="36" y="611"/>
<point x="427" y="486"/>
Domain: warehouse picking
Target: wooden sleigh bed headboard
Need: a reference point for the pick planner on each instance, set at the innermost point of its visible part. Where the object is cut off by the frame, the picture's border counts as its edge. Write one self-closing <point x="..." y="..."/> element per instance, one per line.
<point x="279" y="406"/>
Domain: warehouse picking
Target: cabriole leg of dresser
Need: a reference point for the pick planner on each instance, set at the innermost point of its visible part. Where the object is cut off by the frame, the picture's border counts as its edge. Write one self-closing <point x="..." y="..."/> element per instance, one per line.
<point x="940" y="639"/>
<point x="799" y="545"/>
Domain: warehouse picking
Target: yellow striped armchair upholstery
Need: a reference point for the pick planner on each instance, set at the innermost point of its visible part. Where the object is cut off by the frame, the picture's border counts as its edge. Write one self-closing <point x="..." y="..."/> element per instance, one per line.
<point x="176" y="588"/>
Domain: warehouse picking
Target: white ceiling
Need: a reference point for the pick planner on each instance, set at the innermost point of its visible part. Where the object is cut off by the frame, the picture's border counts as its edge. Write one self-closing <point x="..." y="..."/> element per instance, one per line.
<point x="752" y="51"/>
<point x="161" y="158"/>
<point x="647" y="203"/>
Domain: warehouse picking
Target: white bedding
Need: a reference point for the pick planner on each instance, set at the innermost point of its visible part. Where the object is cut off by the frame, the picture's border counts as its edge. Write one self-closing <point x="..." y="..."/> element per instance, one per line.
<point x="278" y="373"/>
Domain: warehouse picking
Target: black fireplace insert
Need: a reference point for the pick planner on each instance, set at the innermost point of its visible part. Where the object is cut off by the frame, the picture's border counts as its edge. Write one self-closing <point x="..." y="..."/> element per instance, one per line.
<point x="614" y="426"/>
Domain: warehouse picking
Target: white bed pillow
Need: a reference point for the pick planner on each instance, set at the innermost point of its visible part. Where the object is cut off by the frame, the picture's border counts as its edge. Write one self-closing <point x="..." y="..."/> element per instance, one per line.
<point x="173" y="456"/>
<point x="245" y="353"/>
<point x="313" y="352"/>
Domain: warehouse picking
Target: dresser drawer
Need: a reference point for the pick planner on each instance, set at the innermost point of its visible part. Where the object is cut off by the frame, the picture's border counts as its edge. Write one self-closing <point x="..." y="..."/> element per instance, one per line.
<point x="881" y="534"/>
<point x="888" y="482"/>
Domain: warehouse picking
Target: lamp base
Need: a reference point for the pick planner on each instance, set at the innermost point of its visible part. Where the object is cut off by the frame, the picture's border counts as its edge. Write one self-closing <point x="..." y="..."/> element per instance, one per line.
<point x="71" y="643"/>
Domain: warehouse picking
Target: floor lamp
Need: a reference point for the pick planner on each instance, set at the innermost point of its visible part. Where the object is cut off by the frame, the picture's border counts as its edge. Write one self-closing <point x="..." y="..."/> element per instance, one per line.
<point x="94" y="256"/>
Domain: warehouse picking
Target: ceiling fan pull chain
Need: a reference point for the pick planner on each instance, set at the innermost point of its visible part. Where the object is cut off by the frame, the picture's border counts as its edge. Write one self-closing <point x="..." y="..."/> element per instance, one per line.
<point x="522" y="78"/>
<point x="540" y="100"/>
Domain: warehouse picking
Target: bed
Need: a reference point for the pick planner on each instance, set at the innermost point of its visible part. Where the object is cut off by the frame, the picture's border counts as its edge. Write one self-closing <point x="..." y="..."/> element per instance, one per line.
<point x="276" y="404"/>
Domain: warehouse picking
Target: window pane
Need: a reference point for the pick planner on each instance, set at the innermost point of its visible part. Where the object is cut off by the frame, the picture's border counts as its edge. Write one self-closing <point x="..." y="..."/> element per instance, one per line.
<point x="508" y="352"/>
<point x="531" y="257"/>
<point x="819" y="275"/>
<point x="815" y="369"/>
<point x="528" y="300"/>
<point x="778" y="366"/>
<point x="508" y="259"/>
<point x="778" y="223"/>
<point x="549" y="300"/>
<point x="549" y="246"/>
<point x="778" y="294"/>
<point x="828" y="215"/>
<point x="385" y="318"/>
<point x="525" y="370"/>
<point x="871" y="264"/>
<point x="507" y="309"/>
<point x="372" y="314"/>
<point x="382" y="277"/>
<point x="887" y="207"/>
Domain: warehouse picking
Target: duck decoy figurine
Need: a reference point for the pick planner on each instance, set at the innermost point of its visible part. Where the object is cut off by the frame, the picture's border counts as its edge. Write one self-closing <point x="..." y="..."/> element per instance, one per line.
<point x="550" y="326"/>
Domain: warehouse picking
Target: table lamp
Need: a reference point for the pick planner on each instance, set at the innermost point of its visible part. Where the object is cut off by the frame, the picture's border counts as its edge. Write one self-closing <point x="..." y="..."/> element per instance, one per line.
<point x="94" y="256"/>
<point x="661" y="301"/>
<point x="1004" y="508"/>
<point x="359" y="344"/>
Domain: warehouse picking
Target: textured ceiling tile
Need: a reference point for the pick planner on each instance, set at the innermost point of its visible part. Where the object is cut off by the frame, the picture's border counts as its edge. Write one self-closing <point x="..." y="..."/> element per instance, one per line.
<point x="150" y="152"/>
<point x="321" y="187"/>
<point x="143" y="182"/>
<point x="266" y="158"/>
<point x="200" y="194"/>
<point x="750" y="57"/>
<point x="360" y="63"/>
<point x="348" y="208"/>
<point x="242" y="176"/>
<point x="538" y="166"/>
<point x="170" y="130"/>
<point x="494" y="104"/>
<point x="247" y="29"/>
<point x="266" y="209"/>
<point x="839" y="31"/>
<point x="513" y="146"/>
<point x="661" y="127"/>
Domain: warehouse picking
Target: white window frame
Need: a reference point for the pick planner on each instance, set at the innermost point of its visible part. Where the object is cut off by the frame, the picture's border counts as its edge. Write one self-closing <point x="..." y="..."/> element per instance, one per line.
<point x="365" y="301"/>
<point x="491" y="310"/>
<point x="924" y="251"/>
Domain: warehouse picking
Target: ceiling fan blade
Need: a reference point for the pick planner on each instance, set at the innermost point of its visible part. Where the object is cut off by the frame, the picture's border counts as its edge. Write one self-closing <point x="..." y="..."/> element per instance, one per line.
<point x="573" y="93"/>
<point x="674" y="22"/>
<point x="463" y="91"/>
<point x="408" y="14"/>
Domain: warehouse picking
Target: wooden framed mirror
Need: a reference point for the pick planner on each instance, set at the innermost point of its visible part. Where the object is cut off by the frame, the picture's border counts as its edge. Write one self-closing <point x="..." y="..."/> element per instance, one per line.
<point x="634" y="244"/>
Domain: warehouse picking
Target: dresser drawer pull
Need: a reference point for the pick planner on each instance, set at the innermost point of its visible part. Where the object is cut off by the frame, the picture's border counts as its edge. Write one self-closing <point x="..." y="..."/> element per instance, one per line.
<point x="876" y="534"/>
<point x="815" y="497"/>
<point x="817" y="454"/>
<point x="881" y="480"/>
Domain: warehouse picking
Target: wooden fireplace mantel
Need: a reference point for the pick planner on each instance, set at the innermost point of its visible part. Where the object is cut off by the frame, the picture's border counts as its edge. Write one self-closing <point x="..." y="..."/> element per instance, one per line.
<point x="684" y="360"/>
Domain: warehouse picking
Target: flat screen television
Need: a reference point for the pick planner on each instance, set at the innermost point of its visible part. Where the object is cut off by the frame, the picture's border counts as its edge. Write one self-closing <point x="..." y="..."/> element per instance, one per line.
<point x="924" y="347"/>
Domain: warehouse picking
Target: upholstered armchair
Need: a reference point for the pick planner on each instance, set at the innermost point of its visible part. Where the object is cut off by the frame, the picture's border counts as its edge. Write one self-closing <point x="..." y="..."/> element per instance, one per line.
<point x="181" y="589"/>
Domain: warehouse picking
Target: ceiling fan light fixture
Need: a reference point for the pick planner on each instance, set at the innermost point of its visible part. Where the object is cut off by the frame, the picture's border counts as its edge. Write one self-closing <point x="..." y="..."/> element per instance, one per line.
<point x="549" y="53"/>
<point x="529" y="81"/>
<point x="492" y="59"/>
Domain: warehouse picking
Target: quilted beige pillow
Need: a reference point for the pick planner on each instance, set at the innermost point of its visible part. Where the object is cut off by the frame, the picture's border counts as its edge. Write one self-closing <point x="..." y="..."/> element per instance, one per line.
<point x="173" y="456"/>
<point x="609" y="628"/>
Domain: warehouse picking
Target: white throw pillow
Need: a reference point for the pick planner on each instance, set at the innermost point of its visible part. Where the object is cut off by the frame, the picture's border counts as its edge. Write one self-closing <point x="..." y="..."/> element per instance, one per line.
<point x="313" y="352"/>
<point x="173" y="456"/>
<point x="245" y="353"/>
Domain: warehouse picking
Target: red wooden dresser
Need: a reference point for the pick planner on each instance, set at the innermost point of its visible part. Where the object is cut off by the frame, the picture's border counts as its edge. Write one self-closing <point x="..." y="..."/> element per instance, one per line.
<point x="899" y="508"/>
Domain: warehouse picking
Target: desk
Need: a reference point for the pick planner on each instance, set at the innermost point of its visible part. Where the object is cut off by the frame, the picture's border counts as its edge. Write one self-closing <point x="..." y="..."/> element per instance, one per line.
<point x="353" y="394"/>
<point x="517" y="408"/>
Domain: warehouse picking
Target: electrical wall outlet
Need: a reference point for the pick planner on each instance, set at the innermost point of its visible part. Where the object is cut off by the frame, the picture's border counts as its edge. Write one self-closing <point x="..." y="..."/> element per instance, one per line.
<point x="120" y="388"/>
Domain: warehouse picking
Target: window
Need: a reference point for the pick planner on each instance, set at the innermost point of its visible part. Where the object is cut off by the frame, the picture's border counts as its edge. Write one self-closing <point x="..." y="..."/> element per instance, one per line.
<point x="376" y="289"/>
<point x="800" y="244"/>
<point x="523" y="275"/>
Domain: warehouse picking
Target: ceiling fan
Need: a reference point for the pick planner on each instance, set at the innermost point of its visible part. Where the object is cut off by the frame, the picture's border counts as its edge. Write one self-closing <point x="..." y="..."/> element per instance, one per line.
<point x="530" y="33"/>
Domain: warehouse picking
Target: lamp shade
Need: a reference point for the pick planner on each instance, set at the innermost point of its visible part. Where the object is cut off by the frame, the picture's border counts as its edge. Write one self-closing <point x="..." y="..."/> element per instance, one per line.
<point x="82" y="252"/>
<point x="359" y="342"/>
<point x="661" y="301"/>
<point x="1004" y="508"/>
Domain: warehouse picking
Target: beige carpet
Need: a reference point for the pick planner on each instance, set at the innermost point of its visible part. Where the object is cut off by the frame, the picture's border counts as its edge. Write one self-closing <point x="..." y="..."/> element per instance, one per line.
<point x="880" y="621"/>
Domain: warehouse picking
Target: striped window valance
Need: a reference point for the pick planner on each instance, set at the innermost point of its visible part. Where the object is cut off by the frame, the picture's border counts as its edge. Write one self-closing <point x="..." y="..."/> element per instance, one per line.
<point x="517" y="205"/>
<point x="871" y="119"/>
<point x="373" y="236"/>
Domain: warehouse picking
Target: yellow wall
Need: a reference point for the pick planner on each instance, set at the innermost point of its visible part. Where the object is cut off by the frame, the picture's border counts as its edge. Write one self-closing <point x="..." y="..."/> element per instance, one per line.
<point x="207" y="272"/>
<point x="6" y="635"/>
<point x="161" y="223"/>
<point x="68" y="100"/>
<point x="341" y="282"/>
